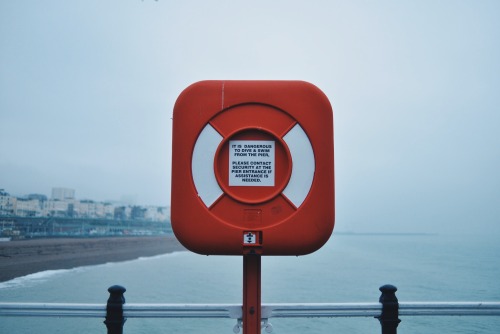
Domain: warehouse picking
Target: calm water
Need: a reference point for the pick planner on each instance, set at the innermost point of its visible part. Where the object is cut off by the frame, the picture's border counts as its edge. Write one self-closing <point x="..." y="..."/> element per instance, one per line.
<point x="350" y="268"/>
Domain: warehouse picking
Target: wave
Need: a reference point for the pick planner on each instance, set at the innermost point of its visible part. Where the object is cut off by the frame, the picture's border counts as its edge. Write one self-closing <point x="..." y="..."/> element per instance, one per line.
<point x="36" y="278"/>
<point x="154" y="257"/>
<point x="43" y="276"/>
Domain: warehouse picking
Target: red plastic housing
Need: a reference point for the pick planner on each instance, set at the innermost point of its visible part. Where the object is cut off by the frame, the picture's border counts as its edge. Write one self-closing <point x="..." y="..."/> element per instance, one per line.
<point x="253" y="168"/>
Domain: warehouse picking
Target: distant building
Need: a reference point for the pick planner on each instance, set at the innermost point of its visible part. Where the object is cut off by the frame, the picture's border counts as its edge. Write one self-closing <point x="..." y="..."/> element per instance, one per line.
<point x="91" y="209"/>
<point x="62" y="194"/>
<point x="120" y="212"/>
<point x="157" y="213"/>
<point x="63" y="204"/>
<point x="55" y="208"/>
<point x="39" y="197"/>
<point x="7" y="203"/>
<point x="27" y="207"/>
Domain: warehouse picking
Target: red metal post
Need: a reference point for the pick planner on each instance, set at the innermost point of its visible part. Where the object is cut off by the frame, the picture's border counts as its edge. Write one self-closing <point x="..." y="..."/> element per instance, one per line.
<point x="251" y="294"/>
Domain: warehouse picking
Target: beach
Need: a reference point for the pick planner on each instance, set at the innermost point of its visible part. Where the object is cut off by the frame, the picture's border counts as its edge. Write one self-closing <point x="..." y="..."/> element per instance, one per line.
<point x="24" y="257"/>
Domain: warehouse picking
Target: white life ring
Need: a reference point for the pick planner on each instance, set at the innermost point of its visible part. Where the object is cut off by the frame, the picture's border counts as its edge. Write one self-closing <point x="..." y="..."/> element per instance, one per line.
<point x="297" y="188"/>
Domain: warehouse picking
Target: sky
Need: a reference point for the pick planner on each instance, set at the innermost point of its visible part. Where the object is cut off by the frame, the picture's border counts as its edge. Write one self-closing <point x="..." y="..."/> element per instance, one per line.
<point x="87" y="90"/>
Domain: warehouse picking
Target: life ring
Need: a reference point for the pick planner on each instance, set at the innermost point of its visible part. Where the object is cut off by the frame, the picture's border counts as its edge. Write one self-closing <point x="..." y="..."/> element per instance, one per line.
<point x="209" y="186"/>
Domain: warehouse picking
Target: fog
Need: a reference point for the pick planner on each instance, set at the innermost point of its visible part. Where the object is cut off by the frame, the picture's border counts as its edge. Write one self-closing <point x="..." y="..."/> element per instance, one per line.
<point x="87" y="90"/>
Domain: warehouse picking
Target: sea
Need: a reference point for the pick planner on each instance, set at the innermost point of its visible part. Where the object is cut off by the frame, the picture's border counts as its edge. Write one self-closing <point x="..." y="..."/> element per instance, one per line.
<point x="349" y="268"/>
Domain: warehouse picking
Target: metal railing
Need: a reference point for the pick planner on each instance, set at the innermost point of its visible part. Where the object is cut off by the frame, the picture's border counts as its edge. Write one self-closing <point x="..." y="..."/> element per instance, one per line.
<point x="387" y="310"/>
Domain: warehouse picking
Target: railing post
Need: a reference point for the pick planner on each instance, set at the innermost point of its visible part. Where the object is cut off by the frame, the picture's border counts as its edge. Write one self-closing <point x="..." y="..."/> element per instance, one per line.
<point x="114" y="310"/>
<point x="390" y="309"/>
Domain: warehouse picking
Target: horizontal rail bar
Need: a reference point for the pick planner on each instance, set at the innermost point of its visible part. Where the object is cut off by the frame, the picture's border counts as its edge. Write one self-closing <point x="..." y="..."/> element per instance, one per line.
<point x="53" y="310"/>
<point x="449" y="308"/>
<point x="234" y="311"/>
<point x="321" y="310"/>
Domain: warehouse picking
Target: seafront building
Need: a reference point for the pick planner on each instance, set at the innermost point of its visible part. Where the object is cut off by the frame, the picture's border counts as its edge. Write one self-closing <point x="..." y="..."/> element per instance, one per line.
<point x="64" y="204"/>
<point x="62" y="194"/>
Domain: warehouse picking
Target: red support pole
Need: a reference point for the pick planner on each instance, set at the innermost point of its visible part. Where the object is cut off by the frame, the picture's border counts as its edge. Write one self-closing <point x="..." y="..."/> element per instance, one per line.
<point x="251" y="294"/>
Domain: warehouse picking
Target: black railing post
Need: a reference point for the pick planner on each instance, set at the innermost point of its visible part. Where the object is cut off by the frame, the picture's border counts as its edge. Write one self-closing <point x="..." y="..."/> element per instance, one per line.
<point x="390" y="309"/>
<point x="114" y="310"/>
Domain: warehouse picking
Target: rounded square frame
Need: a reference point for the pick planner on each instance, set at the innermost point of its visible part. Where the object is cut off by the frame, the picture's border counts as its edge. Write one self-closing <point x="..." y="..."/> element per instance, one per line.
<point x="293" y="215"/>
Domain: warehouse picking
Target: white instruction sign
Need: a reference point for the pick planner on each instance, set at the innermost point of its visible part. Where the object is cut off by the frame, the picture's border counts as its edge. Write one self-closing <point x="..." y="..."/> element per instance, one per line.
<point x="251" y="163"/>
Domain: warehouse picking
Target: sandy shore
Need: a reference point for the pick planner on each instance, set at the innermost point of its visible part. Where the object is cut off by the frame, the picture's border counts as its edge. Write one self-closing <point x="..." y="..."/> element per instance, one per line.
<point x="23" y="257"/>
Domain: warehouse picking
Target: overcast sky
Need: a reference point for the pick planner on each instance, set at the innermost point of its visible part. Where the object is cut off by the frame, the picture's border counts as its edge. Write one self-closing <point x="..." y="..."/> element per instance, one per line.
<point x="87" y="90"/>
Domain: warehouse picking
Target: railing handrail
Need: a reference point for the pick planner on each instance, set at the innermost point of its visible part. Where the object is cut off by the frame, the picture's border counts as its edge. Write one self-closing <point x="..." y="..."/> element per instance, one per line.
<point x="116" y="311"/>
<point x="53" y="310"/>
<point x="449" y="308"/>
<point x="234" y="311"/>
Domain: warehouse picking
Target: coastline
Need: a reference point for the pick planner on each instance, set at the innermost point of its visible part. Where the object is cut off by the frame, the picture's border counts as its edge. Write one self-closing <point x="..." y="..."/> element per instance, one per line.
<point x="23" y="257"/>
